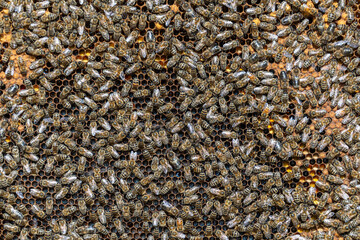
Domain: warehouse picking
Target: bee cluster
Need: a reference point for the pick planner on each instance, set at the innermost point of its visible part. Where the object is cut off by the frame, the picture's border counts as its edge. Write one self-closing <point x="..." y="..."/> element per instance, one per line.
<point x="175" y="119"/>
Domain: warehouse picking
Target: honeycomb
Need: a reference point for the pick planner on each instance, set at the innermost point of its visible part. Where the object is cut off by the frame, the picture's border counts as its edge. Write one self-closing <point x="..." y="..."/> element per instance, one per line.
<point x="175" y="119"/>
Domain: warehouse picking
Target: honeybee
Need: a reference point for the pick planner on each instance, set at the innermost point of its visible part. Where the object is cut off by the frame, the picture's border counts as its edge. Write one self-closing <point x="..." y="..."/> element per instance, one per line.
<point x="7" y="55"/>
<point x="11" y="227"/>
<point x="101" y="228"/>
<point x="37" y="211"/>
<point x="13" y="212"/>
<point x="9" y="71"/>
<point x="323" y="185"/>
<point x="350" y="14"/>
<point x="69" y="211"/>
<point x="22" y="66"/>
<point x="61" y="193"/>
<point x="86" y="153"/>
<point x="169" y="208"/>
<point x="37" y="193"/>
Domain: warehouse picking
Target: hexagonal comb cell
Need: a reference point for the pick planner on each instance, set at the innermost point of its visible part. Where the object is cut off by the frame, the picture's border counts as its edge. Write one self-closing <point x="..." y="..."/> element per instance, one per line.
<point x="176" y="119"/>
